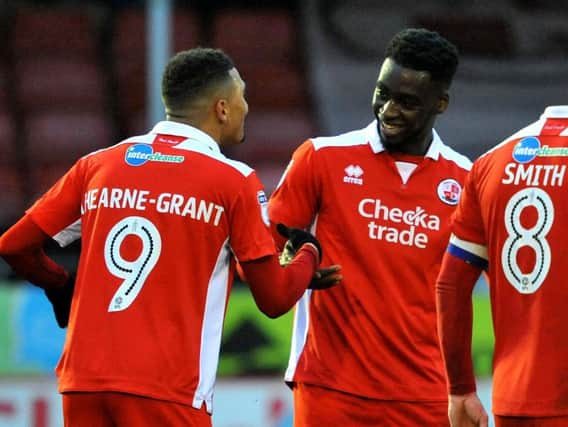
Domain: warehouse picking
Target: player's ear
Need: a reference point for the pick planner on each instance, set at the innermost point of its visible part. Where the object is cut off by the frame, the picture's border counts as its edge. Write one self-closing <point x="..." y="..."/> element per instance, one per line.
<point x="221" y="110"/>
<point x="443" y="103"/>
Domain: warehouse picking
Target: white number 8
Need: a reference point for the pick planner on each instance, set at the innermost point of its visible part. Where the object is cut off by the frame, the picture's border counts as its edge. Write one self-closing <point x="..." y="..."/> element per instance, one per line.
<point x="134" y="272"/>
<point x="533" y="237"/>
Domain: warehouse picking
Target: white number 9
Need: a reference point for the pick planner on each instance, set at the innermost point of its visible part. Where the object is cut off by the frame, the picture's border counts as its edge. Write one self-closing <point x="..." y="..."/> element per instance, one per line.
<point x="134" y="272"/>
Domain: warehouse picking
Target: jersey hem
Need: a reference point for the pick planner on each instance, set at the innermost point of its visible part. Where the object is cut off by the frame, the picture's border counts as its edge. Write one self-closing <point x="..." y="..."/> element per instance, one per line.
<point x="443" y="399"/>
<point x="518" y="409"/>
<point x="193" y="401"/>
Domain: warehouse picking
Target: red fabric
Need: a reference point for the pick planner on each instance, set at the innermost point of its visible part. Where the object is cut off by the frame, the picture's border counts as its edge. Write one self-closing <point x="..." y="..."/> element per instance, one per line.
<point x="318" y="406"/>
<point x="514" y="203"/>
<point x="554" y="127"/>
<point x="22" y="248"/>
<point x="279" y="239"/>
<point x="374" y="334"/>
<point x="107" y="409"/>
<point x="530" y="421"/>
<point x="455" y="319"/>
<point x="286" y="284"/>
<point x="161" y="226"/>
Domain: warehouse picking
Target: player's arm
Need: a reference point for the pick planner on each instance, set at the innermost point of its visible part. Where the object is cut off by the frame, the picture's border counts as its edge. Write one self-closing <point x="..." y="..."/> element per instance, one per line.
<point x="21" y="246"/>
<point x="276" y="289"/>
<point x="324" y="277"/>
<point x="461" y="266"/>
<point x="295" y="202"/>
<point x="285" y="284"/>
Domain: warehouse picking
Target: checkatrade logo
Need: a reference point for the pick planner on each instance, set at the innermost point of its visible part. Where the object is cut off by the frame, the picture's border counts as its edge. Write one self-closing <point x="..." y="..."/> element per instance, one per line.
<point x="138" y="154"/>
<point x="526" y="149"/>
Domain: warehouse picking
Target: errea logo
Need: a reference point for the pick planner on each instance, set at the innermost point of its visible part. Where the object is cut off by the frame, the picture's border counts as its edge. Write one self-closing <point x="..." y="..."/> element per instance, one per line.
<point x="353" y="175"/>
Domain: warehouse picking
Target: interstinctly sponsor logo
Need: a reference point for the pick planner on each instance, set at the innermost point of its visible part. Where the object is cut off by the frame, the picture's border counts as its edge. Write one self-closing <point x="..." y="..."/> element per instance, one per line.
<point x="394" y="225"/>
<point x="353" y="175"/>
<point x="449" y="191"/>
<point x="526" y="149"/>
<point x="137" y="155"/>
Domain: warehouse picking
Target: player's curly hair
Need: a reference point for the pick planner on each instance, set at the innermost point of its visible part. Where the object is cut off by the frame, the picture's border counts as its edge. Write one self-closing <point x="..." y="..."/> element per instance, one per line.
<point x="424" y="50"/>
<point x="191" y="73"/>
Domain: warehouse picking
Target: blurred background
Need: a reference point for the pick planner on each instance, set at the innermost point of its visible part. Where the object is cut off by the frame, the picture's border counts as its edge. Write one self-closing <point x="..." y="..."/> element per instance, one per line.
<point x="76" y="76"/>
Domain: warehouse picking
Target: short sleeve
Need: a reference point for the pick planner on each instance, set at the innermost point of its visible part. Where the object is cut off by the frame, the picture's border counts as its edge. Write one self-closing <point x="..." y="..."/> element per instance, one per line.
<point x="250" y="236"/>
<point x="60" y="206"/>
<point x="467" y="219"/>
<point x="295" y="201"/>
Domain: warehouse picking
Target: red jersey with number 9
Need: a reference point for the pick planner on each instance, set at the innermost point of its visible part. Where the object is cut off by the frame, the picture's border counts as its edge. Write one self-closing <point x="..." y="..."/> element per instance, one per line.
<point x="160" y="218"/>
<point x="515" y="203"/>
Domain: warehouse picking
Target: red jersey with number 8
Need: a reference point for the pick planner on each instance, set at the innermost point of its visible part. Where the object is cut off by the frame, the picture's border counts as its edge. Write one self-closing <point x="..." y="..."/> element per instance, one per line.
<point x="160" y="217"/>
<point x="514" y="203"/>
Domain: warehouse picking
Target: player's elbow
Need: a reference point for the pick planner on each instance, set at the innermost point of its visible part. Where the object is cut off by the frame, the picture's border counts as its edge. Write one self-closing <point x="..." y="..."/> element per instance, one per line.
<point x="4" y="250"/>
<point x="272" y="310"/>
<point x="7" y="252"/>
<point x="272" y="314"/>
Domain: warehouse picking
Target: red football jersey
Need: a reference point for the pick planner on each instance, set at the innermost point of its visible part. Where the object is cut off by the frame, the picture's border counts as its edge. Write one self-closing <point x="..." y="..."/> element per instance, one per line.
<point x="160" y="217"/>
<point x="512" y="209"/>
<point x="387" y="224"/>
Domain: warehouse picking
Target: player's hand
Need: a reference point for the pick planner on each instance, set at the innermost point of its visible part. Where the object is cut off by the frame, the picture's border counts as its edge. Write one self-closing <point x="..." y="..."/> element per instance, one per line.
<point x="296" y="239"/>
<point x="467" y="411"/>
<point x="60" y="299"/>
<point x="326" y="277"/>
<point x="287" y="254"/>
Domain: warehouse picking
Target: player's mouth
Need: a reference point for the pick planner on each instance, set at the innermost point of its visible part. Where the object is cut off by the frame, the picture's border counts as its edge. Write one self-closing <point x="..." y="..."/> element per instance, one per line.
<point x="391" y="129"/>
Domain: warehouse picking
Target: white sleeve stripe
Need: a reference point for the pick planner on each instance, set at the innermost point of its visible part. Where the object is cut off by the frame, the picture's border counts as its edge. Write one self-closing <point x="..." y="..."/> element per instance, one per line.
<point x="474" y="248"/>
<point x="69" y="234"/>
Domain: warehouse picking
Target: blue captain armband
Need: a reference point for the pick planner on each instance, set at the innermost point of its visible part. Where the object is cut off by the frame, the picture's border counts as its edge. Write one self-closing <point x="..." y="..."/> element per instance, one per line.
<point x="468" y="257"/>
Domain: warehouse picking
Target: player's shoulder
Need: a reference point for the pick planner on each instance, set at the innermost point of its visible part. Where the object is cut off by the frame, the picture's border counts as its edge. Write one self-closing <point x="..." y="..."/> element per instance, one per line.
<point x="236" y="165"/>
<point x="140" y="139"/>
<point x="100" y="156"/>
<point x="347" y="139"/>
<point x="453" y="156"/>
<point x="217" y="158"/>
<point x="532" y="130"/>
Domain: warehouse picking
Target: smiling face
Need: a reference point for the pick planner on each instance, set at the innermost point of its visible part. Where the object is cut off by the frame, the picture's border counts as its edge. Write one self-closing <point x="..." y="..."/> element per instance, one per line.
<point x="406" y="103"/>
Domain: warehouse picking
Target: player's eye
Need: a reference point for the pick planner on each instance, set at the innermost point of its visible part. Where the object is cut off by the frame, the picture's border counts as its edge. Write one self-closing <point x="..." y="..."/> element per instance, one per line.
<point x="381" y="94"/>
<point x="410" y="103"/>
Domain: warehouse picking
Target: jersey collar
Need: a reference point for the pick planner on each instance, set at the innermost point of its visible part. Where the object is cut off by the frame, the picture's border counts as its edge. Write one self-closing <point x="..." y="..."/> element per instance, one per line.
<point x="191" y="133"/>
<point x="377" y="146"/>
<point x="555" y="111"/>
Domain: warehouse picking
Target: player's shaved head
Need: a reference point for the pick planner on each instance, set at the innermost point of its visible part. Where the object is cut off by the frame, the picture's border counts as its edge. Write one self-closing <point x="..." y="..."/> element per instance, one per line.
<point x="192" y="77"/>
<point x="424" y="50"/>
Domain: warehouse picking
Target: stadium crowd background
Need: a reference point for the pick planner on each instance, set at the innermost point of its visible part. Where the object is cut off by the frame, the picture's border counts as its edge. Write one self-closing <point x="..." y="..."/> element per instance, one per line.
<point x="73" y="77"/>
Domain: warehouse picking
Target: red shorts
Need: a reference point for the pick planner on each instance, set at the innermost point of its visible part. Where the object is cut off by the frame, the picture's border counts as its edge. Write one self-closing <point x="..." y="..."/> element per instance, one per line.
<point x="108" y="409"/>
<point x="317" y="406"/>
<point x="501" y="421"/>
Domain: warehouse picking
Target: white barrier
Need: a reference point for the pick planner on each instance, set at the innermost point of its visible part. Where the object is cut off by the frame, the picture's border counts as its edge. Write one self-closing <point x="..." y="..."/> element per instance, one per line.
<point x="237" y="403"/>
<point x="34" y="402"/>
